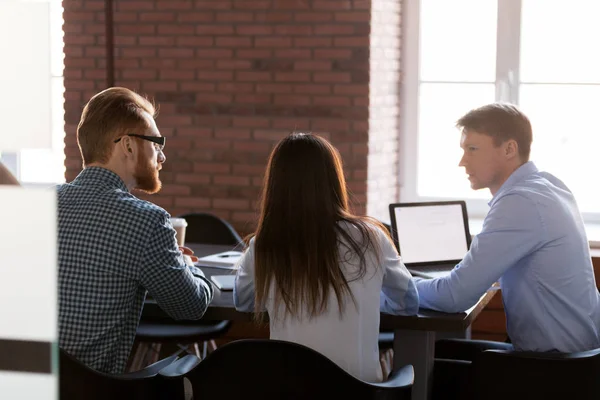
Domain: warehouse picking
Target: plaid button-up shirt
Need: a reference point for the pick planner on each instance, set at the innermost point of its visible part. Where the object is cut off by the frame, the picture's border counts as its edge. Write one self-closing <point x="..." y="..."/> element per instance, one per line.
<point x="113" y="248"/>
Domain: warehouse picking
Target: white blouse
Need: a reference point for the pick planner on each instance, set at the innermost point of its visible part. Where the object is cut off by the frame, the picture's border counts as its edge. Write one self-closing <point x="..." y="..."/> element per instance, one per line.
<point x="352" y="340"/>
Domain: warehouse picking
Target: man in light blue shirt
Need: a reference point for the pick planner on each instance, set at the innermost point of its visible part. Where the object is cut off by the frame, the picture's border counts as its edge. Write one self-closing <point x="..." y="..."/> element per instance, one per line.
<point x="533" y="242"/>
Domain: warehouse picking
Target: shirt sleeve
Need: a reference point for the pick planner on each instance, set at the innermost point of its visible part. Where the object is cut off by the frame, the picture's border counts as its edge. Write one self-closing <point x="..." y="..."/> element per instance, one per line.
<point x="243" y="290"/>
<point x="398" y="292"/>
<point x="512" y="230"/>
<point x="168" y="279"/>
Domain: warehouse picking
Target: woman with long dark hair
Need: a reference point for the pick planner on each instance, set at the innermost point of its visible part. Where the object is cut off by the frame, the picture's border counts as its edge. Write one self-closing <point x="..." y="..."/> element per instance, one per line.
<point x="322" y="274"/>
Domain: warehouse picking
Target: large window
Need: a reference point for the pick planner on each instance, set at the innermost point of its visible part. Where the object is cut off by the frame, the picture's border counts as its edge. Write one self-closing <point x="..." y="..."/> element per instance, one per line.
<point x="39" y="165"/>
<point x="540" y="54"/>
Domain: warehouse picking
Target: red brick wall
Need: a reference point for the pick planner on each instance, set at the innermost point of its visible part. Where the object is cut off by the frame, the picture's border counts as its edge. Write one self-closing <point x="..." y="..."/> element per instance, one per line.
<point x="232" y="78"/>
<point x="382" y="177"/>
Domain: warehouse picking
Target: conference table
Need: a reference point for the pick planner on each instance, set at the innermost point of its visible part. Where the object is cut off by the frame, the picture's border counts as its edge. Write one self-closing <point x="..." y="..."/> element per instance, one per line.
<point x="414" y="336"/>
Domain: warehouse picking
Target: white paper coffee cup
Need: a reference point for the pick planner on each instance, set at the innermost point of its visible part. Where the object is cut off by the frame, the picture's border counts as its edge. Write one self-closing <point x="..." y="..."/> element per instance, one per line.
<point x="179" y="224"/>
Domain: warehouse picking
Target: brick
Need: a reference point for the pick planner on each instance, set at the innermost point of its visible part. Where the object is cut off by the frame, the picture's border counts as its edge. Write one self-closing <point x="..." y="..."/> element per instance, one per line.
<point x="291" y="4"/>
<point x="231" y="204"/>
<point x="317" y="16"/>
<point x="195" y="64"/>
<point x="295" y="76"/>
<point x="353" y="16"/>
<point x="313" y="65"/>
<point x="192" y="178"/>
<point x="157" y="17"/>
<point x="293" y="53"/>
<point x="313" y="42"/>
<point x="173" y="5"/>
<point x="176" y="74"/>
<point x="196" y="17"/>
<point x="158" y="63"/>
<point x="230" y="180"/>
<point x="251" y="5"/>
<point x="138" y="53"/>
<point x="156" y="40"/>
<point x="195" y="41"/>
<point x="204" y="29"/>
<point x="176" y="29"/>
<point x="253" y="98"/>
<point x="214" y="76"/>
<point x="138" y="74"/>
<point x="214" y="5"/>
<point x="294" y="30"/>
<point x="198" y="86"/>
<point x="332" y="54"/>
<point x="176" y="53"/>
<point x="273" y="42"/>
<point x="332" y="101"/>
<point x="251" y="122"/>
<point x="214" y="53"/>
<point x="298" y="100"/>
<point x="313" y="89"/>
<point x="134" y="5"/>
<point x="158" y="86"/>
<point x="175" y="190"/>
<point x="272" y="65"/>
<point x="195" y="202"/>
<point x="214" y="97"/>
<point x="273" y="135"/>
<point x="125" y="40"/>
<point x="360" y="90"/>
<point x="243" y="76"/>
<point x="233" y="41"/>
<point x="232" y="133"/>
<point x="234" y="17"/>
<point x="212" y="167"/>
<point x="273" y="88"/>
<point x="135" y="29"/>
<point x="332" y="77"/>
<point x="254" y="29"/>
<point x="253" y="53"/>
<point x="352" y="41"/>
<point x="235" y="87"/>
<point x="334" y="5"/>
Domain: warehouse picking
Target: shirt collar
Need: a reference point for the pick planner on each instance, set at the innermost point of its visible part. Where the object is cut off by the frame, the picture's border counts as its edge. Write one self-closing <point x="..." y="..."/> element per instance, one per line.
<point x="523" y="171"/>
<point x="101" y="177"/>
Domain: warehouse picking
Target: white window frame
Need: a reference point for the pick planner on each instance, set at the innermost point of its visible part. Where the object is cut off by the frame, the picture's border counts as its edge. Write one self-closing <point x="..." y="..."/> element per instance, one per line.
<point x="507" y="89"/>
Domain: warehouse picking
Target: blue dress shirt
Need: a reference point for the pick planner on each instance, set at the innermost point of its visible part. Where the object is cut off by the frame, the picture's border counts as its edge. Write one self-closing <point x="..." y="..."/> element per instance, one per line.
<point x="533" y="241"/>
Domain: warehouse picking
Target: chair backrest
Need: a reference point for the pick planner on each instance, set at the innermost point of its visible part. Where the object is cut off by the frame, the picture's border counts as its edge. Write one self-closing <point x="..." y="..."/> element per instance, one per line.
<point x="209" y="229"/>
<point x="500" y="374"/>
<point x="272" y="369"/>
<point x="78" y="381"/>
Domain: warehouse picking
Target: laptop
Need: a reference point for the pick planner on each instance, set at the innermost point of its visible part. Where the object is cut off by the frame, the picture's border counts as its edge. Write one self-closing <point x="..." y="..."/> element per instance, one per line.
<point x="431" y="237"/>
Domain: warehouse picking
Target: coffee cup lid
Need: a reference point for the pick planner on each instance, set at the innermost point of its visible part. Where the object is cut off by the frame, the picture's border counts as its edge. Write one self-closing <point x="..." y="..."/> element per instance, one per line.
<point x="178" y="222"/>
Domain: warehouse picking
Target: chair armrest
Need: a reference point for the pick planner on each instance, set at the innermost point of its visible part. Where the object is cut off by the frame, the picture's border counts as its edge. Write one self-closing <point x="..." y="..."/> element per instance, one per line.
<point x="404" y="377"/>
<point x="546" y="355"/>
<point x="180" y="367"/>
<point x="150" y="371"/>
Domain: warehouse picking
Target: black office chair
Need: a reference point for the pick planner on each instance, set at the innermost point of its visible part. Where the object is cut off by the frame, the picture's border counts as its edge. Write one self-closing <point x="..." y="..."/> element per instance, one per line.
<point x="501" y="374"/>
<point x="273" y="369"/>
<point x="152" y="332"/>
<point x="77" y="381"/>
<point x="210" y="229"/>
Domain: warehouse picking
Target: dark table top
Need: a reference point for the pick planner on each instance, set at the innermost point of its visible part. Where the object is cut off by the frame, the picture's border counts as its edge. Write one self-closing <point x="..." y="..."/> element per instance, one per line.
<point x="222" y="307"/>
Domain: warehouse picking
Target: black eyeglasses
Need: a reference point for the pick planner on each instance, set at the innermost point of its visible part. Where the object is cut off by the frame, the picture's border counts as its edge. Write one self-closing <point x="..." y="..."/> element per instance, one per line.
<point x="159" y="140"/>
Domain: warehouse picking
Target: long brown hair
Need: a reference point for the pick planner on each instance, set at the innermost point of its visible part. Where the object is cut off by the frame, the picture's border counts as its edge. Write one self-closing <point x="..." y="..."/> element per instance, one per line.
<point x="296" y="243"/>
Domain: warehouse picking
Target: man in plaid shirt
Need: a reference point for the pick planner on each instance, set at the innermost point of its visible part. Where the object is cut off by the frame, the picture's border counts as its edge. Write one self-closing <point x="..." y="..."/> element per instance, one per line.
<point x="114" y="247"/>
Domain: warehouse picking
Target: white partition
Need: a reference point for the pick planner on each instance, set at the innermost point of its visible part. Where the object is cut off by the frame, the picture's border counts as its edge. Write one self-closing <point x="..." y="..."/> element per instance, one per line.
<point x="28" y="228"/>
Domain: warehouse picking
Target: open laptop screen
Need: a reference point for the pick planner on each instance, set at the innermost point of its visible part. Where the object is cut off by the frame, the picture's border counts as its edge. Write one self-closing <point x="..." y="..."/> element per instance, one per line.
<point x="430" y="232"/>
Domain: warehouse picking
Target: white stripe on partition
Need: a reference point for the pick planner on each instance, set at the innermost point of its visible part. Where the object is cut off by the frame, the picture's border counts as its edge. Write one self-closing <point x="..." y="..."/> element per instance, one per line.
<point x="17" y="386"/>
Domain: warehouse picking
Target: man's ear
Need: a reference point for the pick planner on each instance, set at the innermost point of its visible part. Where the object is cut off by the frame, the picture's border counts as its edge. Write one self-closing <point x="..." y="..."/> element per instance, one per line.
<point x="127" y="147"/>
<point x="511" y="149"/>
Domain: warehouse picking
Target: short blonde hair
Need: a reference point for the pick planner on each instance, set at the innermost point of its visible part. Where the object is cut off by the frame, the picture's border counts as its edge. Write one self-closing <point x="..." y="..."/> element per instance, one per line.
<point x="107" y="116"/>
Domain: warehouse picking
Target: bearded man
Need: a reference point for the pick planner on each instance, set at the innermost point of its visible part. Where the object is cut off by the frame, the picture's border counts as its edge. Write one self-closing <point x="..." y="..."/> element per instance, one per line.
<point x="113" y="247"/>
